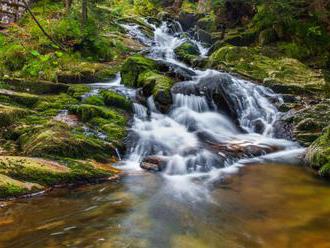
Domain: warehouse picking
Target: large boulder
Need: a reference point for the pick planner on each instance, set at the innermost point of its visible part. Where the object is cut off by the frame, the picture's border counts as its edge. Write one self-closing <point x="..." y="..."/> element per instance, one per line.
<point x="283" y="75"/>
<point x="56" y="139"/>
<point x="145" y="73"/>
<point x="158" y="86"/>
<point x="133" y="67"/>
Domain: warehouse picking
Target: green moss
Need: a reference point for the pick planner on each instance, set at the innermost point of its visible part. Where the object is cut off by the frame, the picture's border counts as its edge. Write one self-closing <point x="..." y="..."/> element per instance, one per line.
<point x="187" y="52"/>
<point x="36" y="87"/>
<point x="87" y="112"/>
<point x="115" y="132"/>
<point x="22" y="175"/>
<point x="239" y="38"/>
<point x="50" y="105"/>
<point x="78" y="90"/>
<point x="309" y="122"/>
<point x="114" y="99"/>
<point x="10" y="187"/>
<point x="57" y="139"/>
<point x="275" y="71"/>
<point x="85" y="72"/>
<point x="9" y="115"/>
<point x="133" y="67"/>
<point x="318" y="154"/>
<point x="94" y="100"/>
<point x="24" y="99"/>
<point x="208" y="23"/>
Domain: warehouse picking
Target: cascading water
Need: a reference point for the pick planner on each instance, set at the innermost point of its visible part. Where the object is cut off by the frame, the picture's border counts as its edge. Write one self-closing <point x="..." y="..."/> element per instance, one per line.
<point x="195" y="139"/>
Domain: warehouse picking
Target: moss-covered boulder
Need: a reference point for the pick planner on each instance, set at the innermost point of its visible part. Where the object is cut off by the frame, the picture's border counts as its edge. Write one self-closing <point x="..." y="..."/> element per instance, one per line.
<point x="240" y="38"/>
<point x="112" y="98"/>
<point x="109" y="122"/>
<point x="24" y="99"/>
<point x="159" y="86"/>
<point x="57" y="139"/>
<point x="284" y="75"/>
<point x="207" y="23"/>
<point x="318" y="154"/>
<point x="36" y="87"/>
<point x="9" y="115"/>
<point x="188" y="52"/>
<point x="78" y="90"/>
<point x="142" y="72"/>
<point x="84" y="73"/>
<point x="309" y="122"/>
<point x="133" y="67"/>
<point x="24" y="175"/>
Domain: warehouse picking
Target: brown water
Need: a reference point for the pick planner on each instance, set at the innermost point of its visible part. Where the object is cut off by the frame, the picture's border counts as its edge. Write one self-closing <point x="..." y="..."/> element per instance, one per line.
<point x="261" y="206"/>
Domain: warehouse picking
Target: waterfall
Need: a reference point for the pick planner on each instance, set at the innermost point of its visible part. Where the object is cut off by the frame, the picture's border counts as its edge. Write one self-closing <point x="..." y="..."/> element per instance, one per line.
<point x="198" y="138"/>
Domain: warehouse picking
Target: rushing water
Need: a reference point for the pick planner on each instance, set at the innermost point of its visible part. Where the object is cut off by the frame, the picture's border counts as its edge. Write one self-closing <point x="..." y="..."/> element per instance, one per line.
<point x="188" y="137"/>
<point x="226" y="183"/>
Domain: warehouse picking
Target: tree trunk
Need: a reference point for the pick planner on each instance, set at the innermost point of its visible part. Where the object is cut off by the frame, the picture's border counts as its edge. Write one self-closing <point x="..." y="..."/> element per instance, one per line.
<point x="84" y="12"/>
<point x="67" y="4"/>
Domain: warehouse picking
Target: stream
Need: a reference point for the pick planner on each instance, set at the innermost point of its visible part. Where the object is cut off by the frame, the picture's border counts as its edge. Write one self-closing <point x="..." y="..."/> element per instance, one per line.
<point x="224" y="182"/>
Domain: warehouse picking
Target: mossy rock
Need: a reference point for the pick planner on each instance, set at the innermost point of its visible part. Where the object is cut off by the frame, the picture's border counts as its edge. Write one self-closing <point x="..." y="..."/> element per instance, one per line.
<point x="244" y="38"/>
<point x="188" y="52"/>
<point x="207" y="23"/>
<point x="309" y="122"/>
<point x="113" y="99"/>
<point x="10" y="187"/>
<point x="9" y="114"/>
<point x="52" y="104"/>
<point x="285" y="74"/>
<point x="84" y="73"/>
<point x="78" y="90"/>
<point x="24" y="99"/>
<point x="267" y="36"/>
<point x="57" y="139"/>
<point x="133" y="67"/>
<point x="159" y="86"/>
<point x="318" y="154"/>
<point x="115" y="132"/>
<point x="87" y="112"/>
<point x="24" y="175"/>
<point x="94" y="100"/>
<point x="36" y="87"/>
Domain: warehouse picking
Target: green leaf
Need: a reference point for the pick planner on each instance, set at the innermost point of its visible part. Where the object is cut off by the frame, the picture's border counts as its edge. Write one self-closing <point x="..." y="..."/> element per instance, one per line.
<point x="35" y="53"/>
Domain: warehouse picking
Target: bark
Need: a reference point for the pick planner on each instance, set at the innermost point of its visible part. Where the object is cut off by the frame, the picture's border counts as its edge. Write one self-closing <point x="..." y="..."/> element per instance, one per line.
<point x="67" y="4"/>
<point x="84" y="12"/>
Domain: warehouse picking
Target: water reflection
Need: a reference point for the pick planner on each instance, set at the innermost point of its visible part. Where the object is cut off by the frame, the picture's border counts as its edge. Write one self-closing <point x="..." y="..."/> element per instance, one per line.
<point x="260" y="206"/>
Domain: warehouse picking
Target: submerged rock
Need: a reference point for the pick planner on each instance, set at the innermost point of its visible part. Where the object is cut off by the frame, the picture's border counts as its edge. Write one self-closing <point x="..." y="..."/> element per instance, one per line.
<point x="154" y="163"/>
